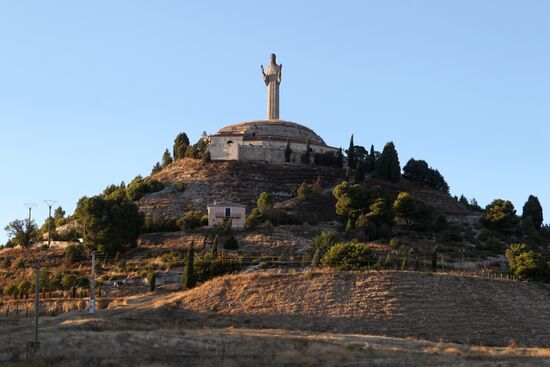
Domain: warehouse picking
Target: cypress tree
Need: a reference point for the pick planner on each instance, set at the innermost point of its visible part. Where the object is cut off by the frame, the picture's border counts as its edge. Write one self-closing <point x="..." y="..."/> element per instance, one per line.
<point x="387" y="166"/>
<point x="306" y="157"/>
<point x="189" y="268"/>
<point x="434" y="259"/>
<point x="166" y="158"/>
<point x="339" y="159"/>
<point x="181" y="144"/>
<point x="152" y="279"/>
<point x="215" y="248"/>
<point x="533" y="210"/>
<point x="360" y="171"/>
<point x="371" y="166"/>
<point x="351" y="153"/>
<point x="404" y="264"/>
<point x="288" y="151"/>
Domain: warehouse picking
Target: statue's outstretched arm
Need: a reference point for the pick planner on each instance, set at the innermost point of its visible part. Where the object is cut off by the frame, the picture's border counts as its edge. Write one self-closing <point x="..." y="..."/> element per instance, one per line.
<point x="265" y="76"/>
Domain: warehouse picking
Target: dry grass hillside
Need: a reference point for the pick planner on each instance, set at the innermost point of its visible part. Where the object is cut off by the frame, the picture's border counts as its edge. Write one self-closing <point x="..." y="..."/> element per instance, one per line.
<point x="303" y="319"/>
<point x="459" y="309"/>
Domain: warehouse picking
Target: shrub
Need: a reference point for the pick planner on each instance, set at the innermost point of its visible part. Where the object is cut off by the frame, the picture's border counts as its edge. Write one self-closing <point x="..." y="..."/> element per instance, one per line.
<point x="73" y="254"/>
<point x="139" y="187"/>
<point x="254" y="219"/>
<point x="189" y="275"/>
<point x="322" y="243"/>
<point x="6" y="262"/>
<point x="151" y="280"/>
<point x="180" y="186"/>
<point x="20" y="263"/>
<point x="327" y="159"/>
<point x="159" y="224"/>
<point x="191" y="220"/>
<point x="265" y="201"/>
<point x="304" y="191"/>
<point x="411" y="209"/>
<point x="208" y="266"/>
<point x="349" y="256"/>
<point x="231" y="243"/>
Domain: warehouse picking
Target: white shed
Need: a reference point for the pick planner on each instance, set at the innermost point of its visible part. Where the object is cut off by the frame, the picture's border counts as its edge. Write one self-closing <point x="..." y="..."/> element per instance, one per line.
<point x="220" y="211"/>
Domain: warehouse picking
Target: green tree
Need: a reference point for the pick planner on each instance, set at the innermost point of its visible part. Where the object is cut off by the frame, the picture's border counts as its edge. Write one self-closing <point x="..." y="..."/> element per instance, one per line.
<point x="206" y="157"/>
<point x="304" y="191"/>
<point x="22" y="232"/>
<point x="524" y="263"/>
<point x="288" y="151"/>
<point x="156" y="168"/>
<point x="58" y="213"/>
<point x="411" y="209"/>
<point x="265" y="202"/>
<point x="387" y="166"/>
<point x="349" y="256"/>
<point x="339" y="158"/>
<point x="533" y="210"/>
<point x="189" y="280"/>
<point x="181" y="145"/>
<point x="500" y="215"/>
<point x="111" y="224"/>
<point x="166" y="158"/>
<point x="350" y="153"/>
<point x="419" y="171"/>
<point x="360" y="171"/>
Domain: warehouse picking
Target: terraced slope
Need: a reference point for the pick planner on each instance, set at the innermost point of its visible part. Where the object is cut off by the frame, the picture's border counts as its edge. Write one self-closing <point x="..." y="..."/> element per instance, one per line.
<point x="454" y="308"/>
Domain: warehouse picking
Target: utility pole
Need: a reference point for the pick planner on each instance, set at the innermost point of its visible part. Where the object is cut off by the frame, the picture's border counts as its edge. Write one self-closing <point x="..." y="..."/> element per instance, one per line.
<point x="34" y="345"/>
<point x="50" y="203"/>
<point x="92" y="286"/>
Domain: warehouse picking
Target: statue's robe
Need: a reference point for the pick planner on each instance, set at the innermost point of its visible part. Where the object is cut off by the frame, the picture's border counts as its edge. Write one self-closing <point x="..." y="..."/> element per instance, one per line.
<point x="272" y="80"/>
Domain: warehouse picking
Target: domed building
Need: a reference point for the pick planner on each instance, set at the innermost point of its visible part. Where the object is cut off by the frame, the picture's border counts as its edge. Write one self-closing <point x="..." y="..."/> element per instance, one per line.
<point x="267" y="140"/>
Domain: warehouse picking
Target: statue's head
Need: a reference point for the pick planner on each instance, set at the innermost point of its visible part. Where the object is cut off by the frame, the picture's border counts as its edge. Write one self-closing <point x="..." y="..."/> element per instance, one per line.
<point x="273" y="58"/>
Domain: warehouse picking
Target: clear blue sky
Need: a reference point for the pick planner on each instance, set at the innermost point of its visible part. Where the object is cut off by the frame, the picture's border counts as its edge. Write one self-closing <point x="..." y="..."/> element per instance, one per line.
<point x="91" y="93"/>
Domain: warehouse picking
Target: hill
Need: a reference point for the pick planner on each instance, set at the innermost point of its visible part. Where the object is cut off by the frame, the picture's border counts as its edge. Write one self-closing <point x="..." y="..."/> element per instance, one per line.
<point x="242" y="182"/>
<point x="305" y="319"/>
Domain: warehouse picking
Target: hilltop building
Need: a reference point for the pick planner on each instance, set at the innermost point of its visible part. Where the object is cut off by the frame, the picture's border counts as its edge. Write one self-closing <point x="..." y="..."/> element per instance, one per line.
<point x="267" y="140"/>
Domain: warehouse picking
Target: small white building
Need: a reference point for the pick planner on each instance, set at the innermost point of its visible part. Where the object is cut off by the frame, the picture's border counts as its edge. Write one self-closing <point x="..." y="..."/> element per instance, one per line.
<point x="220" y="211"/>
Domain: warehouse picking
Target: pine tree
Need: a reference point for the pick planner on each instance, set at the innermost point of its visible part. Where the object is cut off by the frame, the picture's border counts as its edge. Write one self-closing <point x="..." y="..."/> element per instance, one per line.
<point x="387" y="166"/>
<point x="351" y="153"/>
<point x="156" y="168"/>
<point x="215" y="248"/>
<point x="166" y="158"/>
<point x="360" y="172"/>
<point x="181" y="144"/>
<point x="189" y="267"/>
<point x="533" y="210"/>
<point x="288" y="151"/>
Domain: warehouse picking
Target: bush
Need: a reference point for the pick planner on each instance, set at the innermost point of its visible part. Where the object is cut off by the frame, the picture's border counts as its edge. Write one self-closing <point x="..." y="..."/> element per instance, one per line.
<point x="159" y="224"/>
<point x="208" y="266"/>
<point x="349" y="256"/>
<point x="73" y="254"/>
<point x="322" y="243"/>
<point x="265" y="201"/>
<point x="411" y="209"/>
<point x="327" y="159"/>
<point x="180" y="186"/>
<point x="151" y="280"/>
<point x="254" y="219"/>
<point x="192" y="220"/>
<point x="139" y="187"/>
<point x="231" y="243"/>
<point x="304" y="191"/>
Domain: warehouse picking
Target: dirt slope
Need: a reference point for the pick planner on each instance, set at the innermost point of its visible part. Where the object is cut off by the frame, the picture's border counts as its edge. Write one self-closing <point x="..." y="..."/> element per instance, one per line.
<point x="458" y="309"/>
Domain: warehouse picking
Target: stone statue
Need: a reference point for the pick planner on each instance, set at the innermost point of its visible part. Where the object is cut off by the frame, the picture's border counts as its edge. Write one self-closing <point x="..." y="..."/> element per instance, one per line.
<point x="272" y="79"/>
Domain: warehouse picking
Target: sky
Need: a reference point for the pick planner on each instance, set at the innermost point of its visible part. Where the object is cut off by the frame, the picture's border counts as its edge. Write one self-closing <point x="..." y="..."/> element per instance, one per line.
<point x="92" y="92"/>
